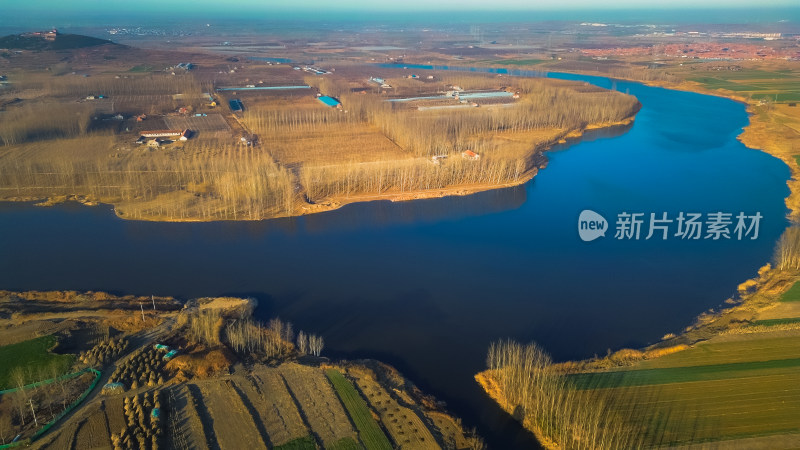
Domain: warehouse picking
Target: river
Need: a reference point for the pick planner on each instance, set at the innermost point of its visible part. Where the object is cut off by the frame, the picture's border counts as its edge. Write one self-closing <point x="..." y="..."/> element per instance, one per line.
<point x="427" y="285"/>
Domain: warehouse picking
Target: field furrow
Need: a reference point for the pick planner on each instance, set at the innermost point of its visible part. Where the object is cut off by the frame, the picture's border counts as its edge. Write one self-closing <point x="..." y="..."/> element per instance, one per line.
<point x="233" y="424"/>
<point x="276" y="409"/>
<point x="321" y="408"/>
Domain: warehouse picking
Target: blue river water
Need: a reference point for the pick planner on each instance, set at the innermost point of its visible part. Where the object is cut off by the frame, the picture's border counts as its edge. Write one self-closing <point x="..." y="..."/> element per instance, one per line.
<point x="427" y="285"/>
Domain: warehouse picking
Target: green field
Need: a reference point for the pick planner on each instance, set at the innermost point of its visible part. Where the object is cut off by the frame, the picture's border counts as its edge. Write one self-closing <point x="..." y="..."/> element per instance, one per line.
<point x="773" y="322"/>
<point x="34" y="358"/>
<point x="368" y="429"/>
<point x="518" y="62"/>
<point x="303" y="443"/>
<point x="725" y="388"/>
<point x="141" y="68"/>
<point x="779" y="86"/>
<point x="626" y="378"/>
<point x="793" y="294"/>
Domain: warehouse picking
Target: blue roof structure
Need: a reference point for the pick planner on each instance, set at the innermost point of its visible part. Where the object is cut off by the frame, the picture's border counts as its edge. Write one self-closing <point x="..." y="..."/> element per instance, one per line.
<point x="330" y="101"/>
<point x="236" y="105"/>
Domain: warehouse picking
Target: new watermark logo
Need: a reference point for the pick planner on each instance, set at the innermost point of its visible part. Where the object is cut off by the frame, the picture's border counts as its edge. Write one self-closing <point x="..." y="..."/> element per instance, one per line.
<point x="687" y="226"/>
<point x="591" y="225"/>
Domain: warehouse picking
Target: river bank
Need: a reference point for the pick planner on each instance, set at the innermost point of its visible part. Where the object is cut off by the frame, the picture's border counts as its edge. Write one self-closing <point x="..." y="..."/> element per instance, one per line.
<point x="357" y="274"/>
<point x="766" y="130"/>
<point x="533" y="155"/>
<point x="536" y="157"/>
<point x="759" y="314"/>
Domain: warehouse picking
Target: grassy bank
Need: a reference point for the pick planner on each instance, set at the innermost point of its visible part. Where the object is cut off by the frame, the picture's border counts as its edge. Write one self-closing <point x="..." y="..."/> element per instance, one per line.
<point x="31" y="361"/>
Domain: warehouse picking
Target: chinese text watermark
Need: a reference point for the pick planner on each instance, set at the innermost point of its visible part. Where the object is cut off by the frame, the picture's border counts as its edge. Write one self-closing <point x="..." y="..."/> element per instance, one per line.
<point x="661" y="226"/>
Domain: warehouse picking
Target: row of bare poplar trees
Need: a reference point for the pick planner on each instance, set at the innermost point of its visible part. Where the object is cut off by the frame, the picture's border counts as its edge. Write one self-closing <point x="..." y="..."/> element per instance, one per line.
<point x="424" y="134"/>
<point x="246" y="336"/>
<point x="213" y="182"/>
<point x="787" y="250"/>
<point x="544" y="401"/>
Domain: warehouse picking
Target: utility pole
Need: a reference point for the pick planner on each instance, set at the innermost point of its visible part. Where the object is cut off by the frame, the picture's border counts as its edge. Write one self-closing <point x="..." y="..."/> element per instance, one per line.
<point x="142" y="308"/>
<point x="154" y="302"/>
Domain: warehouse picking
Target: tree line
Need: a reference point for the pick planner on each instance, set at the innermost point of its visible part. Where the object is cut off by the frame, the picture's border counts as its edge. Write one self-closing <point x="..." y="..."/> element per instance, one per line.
<point x="249" y="337"/>
<point x="545" y="402"/>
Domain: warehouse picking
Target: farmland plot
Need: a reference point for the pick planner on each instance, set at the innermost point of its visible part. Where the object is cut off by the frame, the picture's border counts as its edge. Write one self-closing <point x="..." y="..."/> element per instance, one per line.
<point x="204" y="125"/>
<point x="405" y="427"/>
<point x="185" y="428"/>
<point x="93" y="431"/>
<point x="322" y="409"/>
<point x="368" y="429"/>
<point x="277" y="411"/>
<point x="115" y="415"/>
<point x="233" y="424"/>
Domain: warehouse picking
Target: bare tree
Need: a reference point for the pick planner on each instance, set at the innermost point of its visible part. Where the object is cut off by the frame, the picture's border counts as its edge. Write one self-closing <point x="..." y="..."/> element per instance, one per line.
<point x="302" y="342"/>
<point x="787" y="250"/>
<point x="542" y="399"/>
<point x="315" y="344"/>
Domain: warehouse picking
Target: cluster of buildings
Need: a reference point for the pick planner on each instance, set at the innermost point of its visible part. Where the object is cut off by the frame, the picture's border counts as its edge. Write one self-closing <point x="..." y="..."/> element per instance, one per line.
<point x="704" y="50"/>
<point x="312" y="69"/>
<point x="381" y="82"/>
<point x="156" y="138"/>
<point x="46" y="35"/>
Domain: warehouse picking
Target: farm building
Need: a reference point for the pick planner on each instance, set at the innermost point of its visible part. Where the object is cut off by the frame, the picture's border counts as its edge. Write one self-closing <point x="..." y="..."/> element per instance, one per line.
<point x="469" y="154"/>
<point x="236" y="105"/>
<point x="330" y="101"/>
<point x="162" y="133"/>
<point x="156" y="137"/>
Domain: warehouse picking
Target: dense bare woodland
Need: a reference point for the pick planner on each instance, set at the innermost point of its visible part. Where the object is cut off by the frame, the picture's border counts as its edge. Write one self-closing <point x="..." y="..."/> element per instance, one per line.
<point x="542" y="399"/>
<point x="372" y="147"/>
<point x="432" y="133"/>
<point x="787" y="251"/>
<point x="249" y="337"/>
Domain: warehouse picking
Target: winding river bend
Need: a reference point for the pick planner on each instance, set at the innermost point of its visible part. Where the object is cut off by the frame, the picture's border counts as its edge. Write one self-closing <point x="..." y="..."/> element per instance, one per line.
<point x="427" y="285"/>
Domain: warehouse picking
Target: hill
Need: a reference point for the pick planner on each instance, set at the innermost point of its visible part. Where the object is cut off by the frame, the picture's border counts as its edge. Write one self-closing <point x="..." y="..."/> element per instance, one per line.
<point x="62" y="42"/>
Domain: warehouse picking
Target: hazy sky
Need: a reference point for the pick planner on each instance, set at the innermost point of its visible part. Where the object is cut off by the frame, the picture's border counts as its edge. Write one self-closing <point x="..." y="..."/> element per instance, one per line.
<point x="342" y="5"/>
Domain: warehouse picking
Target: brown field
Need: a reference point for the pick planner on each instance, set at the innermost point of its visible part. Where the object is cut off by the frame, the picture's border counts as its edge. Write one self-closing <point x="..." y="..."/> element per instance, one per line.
<point x="267" y="392"/>
<point x="12" y="334"/>
<point x="234" y="427"/>
<point x="93" y="432"/>
<point x="185" y="426"/>
<point x="213" y="124"/>
<point x="405" y="427"/>
<point x="313" y="393"/>
<point x="64" y="438"/>
<point x="115" y="415"/>
<point x="334" y="144"/>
